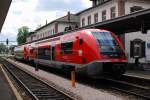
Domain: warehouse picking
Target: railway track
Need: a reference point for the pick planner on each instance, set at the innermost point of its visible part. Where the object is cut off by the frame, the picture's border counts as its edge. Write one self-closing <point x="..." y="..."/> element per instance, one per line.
<point x="128" y="85"/>
<point x="38" y="89"/>
<point x="130" y="88"/>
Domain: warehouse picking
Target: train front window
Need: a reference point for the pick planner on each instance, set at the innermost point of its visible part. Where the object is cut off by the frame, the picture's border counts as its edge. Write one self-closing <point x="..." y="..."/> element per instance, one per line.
<point x="107" y="43"/>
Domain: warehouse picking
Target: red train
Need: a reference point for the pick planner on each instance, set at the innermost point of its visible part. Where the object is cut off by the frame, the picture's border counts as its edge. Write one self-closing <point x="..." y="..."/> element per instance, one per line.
<point x="89" y="51"/>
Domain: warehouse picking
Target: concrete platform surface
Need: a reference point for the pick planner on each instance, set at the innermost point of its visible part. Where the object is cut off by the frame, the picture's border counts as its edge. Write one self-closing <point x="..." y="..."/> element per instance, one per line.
<point x="85" y="92"/>
<point x="138" y="74"/>
<point x="5" y="91"/>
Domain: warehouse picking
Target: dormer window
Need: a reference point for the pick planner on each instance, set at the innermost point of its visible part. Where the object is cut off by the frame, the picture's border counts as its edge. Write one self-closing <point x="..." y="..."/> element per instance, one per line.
<point x="135" y="8"/>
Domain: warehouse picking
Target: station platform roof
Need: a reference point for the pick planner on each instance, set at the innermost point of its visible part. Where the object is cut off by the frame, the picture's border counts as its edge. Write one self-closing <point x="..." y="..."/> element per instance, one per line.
<point x="127" y="23"/>
<point x="4" y="6"/>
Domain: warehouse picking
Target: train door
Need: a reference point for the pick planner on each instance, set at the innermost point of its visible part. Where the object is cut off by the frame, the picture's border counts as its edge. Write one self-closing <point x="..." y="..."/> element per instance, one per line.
<point x="53" y="53"/>
<point x="137" y="48"/>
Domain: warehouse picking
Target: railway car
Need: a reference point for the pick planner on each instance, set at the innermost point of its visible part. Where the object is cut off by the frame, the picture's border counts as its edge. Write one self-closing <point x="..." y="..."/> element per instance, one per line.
<point x="19" y="52"/>
<point x="90" y="52"/>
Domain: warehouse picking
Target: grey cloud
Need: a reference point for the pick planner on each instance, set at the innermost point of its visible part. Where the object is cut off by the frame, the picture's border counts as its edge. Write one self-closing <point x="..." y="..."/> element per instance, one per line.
<point x="4" y="36"/>
<point x="74" y="5"/>
<point x="14" y="1"/>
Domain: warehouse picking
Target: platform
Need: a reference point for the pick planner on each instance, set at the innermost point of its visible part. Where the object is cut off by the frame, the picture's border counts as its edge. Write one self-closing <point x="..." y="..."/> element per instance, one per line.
<point x="5" y="91"/>
<point x="138" y="74"/>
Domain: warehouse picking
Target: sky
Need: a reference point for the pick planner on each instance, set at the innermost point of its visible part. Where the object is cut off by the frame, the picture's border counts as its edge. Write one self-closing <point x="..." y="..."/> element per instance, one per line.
<point x="33" y="13"/>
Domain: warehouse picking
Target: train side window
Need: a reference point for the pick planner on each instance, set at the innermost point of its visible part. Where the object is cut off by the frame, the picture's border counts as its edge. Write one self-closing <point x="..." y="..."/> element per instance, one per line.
<point x="40" y="53"/>
<point x="66" y="48"/>
<point x="44" y="53"/>
<point x="47" y="52"/>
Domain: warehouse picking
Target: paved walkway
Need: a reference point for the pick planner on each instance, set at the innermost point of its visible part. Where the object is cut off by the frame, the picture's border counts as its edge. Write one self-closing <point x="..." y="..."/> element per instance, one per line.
<point x="138" y="74"/>
<point x="5" y="90"/>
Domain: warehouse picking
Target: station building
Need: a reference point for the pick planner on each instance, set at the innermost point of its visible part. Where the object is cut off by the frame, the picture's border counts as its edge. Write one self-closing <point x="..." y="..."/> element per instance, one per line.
<point x="102" y="10"/>
<point x="55" y="27"/>
<point x="136" y="43"/>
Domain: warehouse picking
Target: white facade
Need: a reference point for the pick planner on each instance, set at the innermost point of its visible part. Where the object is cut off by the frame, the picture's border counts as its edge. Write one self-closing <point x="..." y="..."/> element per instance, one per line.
<point x="107" y="6"/>
<point x="55" y="27"/>
<point x="46" y="31"/>
<point x="61" y="26"/>
<point x="138" y="35"/>
<point x="51" y="29"/>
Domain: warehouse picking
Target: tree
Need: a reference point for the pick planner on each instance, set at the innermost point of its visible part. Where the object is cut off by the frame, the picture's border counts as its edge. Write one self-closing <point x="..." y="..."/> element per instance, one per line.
<point x="23" y="32"/>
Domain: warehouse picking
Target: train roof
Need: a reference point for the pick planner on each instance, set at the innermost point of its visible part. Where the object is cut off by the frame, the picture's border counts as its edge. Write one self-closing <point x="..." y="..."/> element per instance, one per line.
<point x="63" y="33"/>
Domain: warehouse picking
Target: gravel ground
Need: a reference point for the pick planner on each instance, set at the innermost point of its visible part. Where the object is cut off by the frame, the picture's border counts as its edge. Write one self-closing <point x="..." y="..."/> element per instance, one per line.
<point x="81" y="91"/>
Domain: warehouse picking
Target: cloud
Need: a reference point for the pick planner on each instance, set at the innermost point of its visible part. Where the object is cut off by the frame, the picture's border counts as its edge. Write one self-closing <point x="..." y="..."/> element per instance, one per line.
<point x="32" y="13"/>
<point x="23" y="13"/>
<point x="10" y="37"/>
<point x="61" y="5"/>
<point x="86" y="3"/>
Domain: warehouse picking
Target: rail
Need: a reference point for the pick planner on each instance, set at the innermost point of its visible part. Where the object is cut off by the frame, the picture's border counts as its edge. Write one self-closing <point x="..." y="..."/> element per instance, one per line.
<point x="37" y="88"/>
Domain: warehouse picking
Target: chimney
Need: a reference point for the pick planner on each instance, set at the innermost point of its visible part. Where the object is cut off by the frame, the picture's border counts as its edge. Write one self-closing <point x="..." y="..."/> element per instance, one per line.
<point x="46" y="22"/>
<point x="93" y="2"/>
<point x="69" y="16"/>
<point x="121" y="7"/>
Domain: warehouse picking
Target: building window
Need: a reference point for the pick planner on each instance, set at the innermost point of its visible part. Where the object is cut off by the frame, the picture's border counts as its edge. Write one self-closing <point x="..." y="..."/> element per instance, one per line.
<point x="89" y="20"/>
<point x="102" y="1"/>
<point x="135" y="8"/>
<point x="99" y="1"/>
<point x="96" y="18"/>
<point x="94" y="3"/>
<point x="83" y="22"/>
<point x="113" y="12"/>
<point x="53" y="31"/>
<point x="103" y="15"/>
<point x="37" y="36"/>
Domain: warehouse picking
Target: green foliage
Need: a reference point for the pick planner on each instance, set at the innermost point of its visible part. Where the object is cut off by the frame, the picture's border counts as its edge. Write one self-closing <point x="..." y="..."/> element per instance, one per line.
<point x="2" y="47"/>
<point x="23" y="32"/>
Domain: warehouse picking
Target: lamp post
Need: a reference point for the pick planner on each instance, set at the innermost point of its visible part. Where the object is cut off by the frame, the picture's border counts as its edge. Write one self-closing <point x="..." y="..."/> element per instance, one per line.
<point x="7" y="41"/>
<point x="36" y="64"/>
